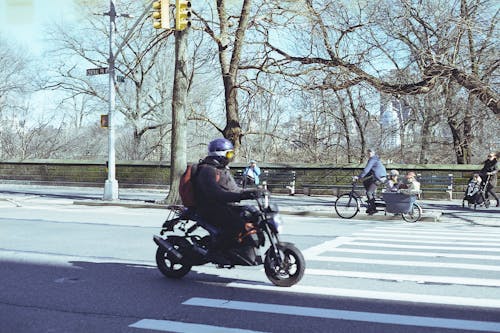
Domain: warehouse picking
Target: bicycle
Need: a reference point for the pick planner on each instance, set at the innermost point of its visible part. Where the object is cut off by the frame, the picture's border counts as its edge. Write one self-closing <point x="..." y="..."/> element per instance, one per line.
<point x="349" y="204"/>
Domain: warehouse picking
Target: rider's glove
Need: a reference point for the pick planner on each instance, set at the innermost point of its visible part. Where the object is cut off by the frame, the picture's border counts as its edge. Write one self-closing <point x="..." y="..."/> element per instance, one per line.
<point x="249" y="194"/>
<point x="252" y="193"/>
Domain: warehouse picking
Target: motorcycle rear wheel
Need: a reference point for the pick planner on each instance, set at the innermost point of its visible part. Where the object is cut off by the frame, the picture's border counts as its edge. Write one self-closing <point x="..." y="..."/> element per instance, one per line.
<point x="290" y="271"/>
<point x="167" y="264"/>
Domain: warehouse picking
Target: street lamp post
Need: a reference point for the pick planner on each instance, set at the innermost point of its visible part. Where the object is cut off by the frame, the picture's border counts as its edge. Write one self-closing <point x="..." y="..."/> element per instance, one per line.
<point x="111" y="184"/>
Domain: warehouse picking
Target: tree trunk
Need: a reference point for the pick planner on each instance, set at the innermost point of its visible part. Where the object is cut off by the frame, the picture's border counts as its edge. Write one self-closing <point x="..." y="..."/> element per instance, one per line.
<point x="425" y="133"/>
<point x="230" y="66"/>
<point x="467" y="132"/>
<point x="359" y="126"/>
<point x="178" y="159"/>
<point x="457" y="142"/>
<point x="344" y="120"/>
<point x="232" y="131"/>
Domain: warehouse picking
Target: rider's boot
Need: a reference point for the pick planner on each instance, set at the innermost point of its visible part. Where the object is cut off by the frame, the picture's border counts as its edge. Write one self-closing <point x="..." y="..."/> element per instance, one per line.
<point x="371" y="207"/>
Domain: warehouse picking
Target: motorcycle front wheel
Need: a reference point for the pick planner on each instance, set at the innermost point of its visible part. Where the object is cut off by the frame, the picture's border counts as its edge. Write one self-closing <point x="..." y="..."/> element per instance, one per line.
<point x="166" y="262"/>
<point x="291" y="269"/>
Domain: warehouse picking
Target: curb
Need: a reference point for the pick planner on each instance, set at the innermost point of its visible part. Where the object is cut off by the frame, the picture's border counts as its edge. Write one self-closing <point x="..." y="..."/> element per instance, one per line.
<point x="126" y="204"/>
<point x="432" y="216"/>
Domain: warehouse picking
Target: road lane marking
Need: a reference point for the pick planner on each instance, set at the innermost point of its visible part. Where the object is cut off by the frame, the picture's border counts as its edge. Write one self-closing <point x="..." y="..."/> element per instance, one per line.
<point x="427" y="240"/>
<point x="325" y="246"/>
<point x="405" y="263"/>
<point x="371" y="294"/>
<point x="418" y="254"/>
<point x="473" y="233"/>
<point x="424" y="247"/>
<point x="180" y="327"/>
<point x="371" y="317"/>
<point x="406" y="277"/>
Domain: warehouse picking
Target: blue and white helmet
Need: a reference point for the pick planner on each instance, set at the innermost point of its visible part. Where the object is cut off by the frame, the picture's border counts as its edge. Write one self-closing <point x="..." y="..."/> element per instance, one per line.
<point x="222" y="148"/>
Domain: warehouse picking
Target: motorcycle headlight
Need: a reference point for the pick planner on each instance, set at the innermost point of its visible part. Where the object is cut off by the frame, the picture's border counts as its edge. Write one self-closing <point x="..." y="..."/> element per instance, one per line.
<point x="277" y="221"/>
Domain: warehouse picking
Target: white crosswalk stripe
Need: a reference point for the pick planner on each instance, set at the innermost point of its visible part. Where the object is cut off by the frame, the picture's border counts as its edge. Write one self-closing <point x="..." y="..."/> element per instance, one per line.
<point x="372" y="317"/>
<point x="180" y="327"/>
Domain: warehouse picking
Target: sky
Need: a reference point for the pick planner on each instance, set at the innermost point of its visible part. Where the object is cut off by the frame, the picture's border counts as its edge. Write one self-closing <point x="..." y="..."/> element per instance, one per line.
<point x="23" y="21"/>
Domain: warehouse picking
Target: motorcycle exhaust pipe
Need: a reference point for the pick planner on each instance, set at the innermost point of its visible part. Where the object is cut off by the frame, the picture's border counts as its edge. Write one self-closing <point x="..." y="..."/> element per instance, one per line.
<point x="167" y="246"/>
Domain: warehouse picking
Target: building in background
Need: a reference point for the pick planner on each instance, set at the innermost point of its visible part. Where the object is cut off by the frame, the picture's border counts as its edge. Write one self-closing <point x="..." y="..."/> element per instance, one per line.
<point x="394" y="118"/>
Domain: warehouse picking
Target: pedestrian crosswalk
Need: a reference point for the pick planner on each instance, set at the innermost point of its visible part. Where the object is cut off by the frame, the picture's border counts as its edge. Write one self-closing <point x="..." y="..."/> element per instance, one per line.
<point x="452" y="264"/>
<point x="374" y="263"/>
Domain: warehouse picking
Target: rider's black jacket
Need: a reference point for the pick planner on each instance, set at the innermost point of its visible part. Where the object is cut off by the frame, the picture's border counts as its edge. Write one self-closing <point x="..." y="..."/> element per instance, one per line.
<point x="216" y="191"/>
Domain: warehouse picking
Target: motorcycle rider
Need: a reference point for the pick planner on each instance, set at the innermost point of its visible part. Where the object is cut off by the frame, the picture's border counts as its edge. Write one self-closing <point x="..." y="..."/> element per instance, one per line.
<point x="217" y="193"/>
<point x="374" y="174"/>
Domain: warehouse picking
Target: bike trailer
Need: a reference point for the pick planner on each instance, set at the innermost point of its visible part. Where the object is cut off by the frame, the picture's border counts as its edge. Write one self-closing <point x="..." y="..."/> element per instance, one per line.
<point x="398" y="203"/>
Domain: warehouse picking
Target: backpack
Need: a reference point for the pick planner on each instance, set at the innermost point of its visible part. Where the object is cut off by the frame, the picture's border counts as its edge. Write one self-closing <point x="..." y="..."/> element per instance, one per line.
<point x="186" y="186"/>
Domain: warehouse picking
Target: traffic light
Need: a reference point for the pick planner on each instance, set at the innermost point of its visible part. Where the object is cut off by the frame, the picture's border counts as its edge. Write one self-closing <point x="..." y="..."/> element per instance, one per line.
<point x="182" y="14"/>
<point x="160" y="15"/>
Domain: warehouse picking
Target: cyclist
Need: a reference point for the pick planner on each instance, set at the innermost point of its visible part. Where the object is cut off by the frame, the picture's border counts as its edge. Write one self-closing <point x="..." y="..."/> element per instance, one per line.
<point x="373" y="175"/>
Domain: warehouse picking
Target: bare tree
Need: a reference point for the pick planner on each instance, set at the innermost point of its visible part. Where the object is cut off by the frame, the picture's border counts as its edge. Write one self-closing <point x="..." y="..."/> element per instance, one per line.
<point x="229" y="53"/>
<point x="142" y="87"/>
<point x="14" y="74"/>
<point x="397" y="25"/>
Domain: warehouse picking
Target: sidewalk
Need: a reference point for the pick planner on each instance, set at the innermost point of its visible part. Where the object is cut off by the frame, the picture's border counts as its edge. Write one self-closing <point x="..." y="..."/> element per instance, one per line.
<point x="301" y="205"/>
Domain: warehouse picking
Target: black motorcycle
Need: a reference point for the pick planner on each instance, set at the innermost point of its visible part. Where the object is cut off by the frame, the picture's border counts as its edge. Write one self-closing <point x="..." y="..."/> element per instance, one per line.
<point x="188" y="241"/>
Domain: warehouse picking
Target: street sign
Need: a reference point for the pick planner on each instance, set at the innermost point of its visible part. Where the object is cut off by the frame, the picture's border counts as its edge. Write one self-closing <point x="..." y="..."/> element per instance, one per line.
<point x="97" y="71"/>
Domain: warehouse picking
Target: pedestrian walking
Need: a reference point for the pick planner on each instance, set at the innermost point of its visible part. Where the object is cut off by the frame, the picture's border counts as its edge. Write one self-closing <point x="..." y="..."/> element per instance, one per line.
<point x="490" y="168"/>
<point x="251" y="174"/>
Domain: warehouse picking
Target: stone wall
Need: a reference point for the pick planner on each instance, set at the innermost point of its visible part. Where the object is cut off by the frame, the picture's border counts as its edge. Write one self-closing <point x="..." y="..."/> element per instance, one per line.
<point x="157" y="174"/>
<point x="84" y="173"/>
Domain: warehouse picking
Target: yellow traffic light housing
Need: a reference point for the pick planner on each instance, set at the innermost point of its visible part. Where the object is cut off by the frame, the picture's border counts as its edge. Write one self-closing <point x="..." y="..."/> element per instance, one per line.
<point x="182" y="14"/>
<point x="161" y="15"/>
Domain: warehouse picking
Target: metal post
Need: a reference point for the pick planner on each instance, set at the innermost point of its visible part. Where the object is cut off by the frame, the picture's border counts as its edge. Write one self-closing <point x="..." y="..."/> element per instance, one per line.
<point x="111" y="184"/>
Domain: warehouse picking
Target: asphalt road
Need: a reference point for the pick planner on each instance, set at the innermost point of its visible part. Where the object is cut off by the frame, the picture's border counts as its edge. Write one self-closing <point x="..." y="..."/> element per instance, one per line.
<point x="78" y="268"/>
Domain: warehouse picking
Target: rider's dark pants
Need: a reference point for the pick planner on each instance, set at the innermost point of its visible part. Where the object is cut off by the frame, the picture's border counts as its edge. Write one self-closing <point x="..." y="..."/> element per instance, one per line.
<point x="230" y="223"/>
<point x="371" y="187"/>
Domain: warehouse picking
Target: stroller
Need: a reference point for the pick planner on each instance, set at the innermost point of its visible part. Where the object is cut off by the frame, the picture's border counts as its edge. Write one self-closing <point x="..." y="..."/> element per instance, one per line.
<point x="475" y="192"/>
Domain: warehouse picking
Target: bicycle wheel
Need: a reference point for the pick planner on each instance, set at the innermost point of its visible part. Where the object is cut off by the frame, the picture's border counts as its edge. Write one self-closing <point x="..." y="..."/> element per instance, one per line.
<point x="347" y="206"/>
<point x="414" y="214"/>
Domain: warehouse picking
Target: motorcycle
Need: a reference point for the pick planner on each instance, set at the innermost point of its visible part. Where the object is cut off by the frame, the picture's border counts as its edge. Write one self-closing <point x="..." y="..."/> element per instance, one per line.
<point x="186" y="240"/>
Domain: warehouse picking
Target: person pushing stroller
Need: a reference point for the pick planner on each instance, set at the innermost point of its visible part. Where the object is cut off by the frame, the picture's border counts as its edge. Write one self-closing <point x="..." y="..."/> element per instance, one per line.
<point x="489" y="175"/>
